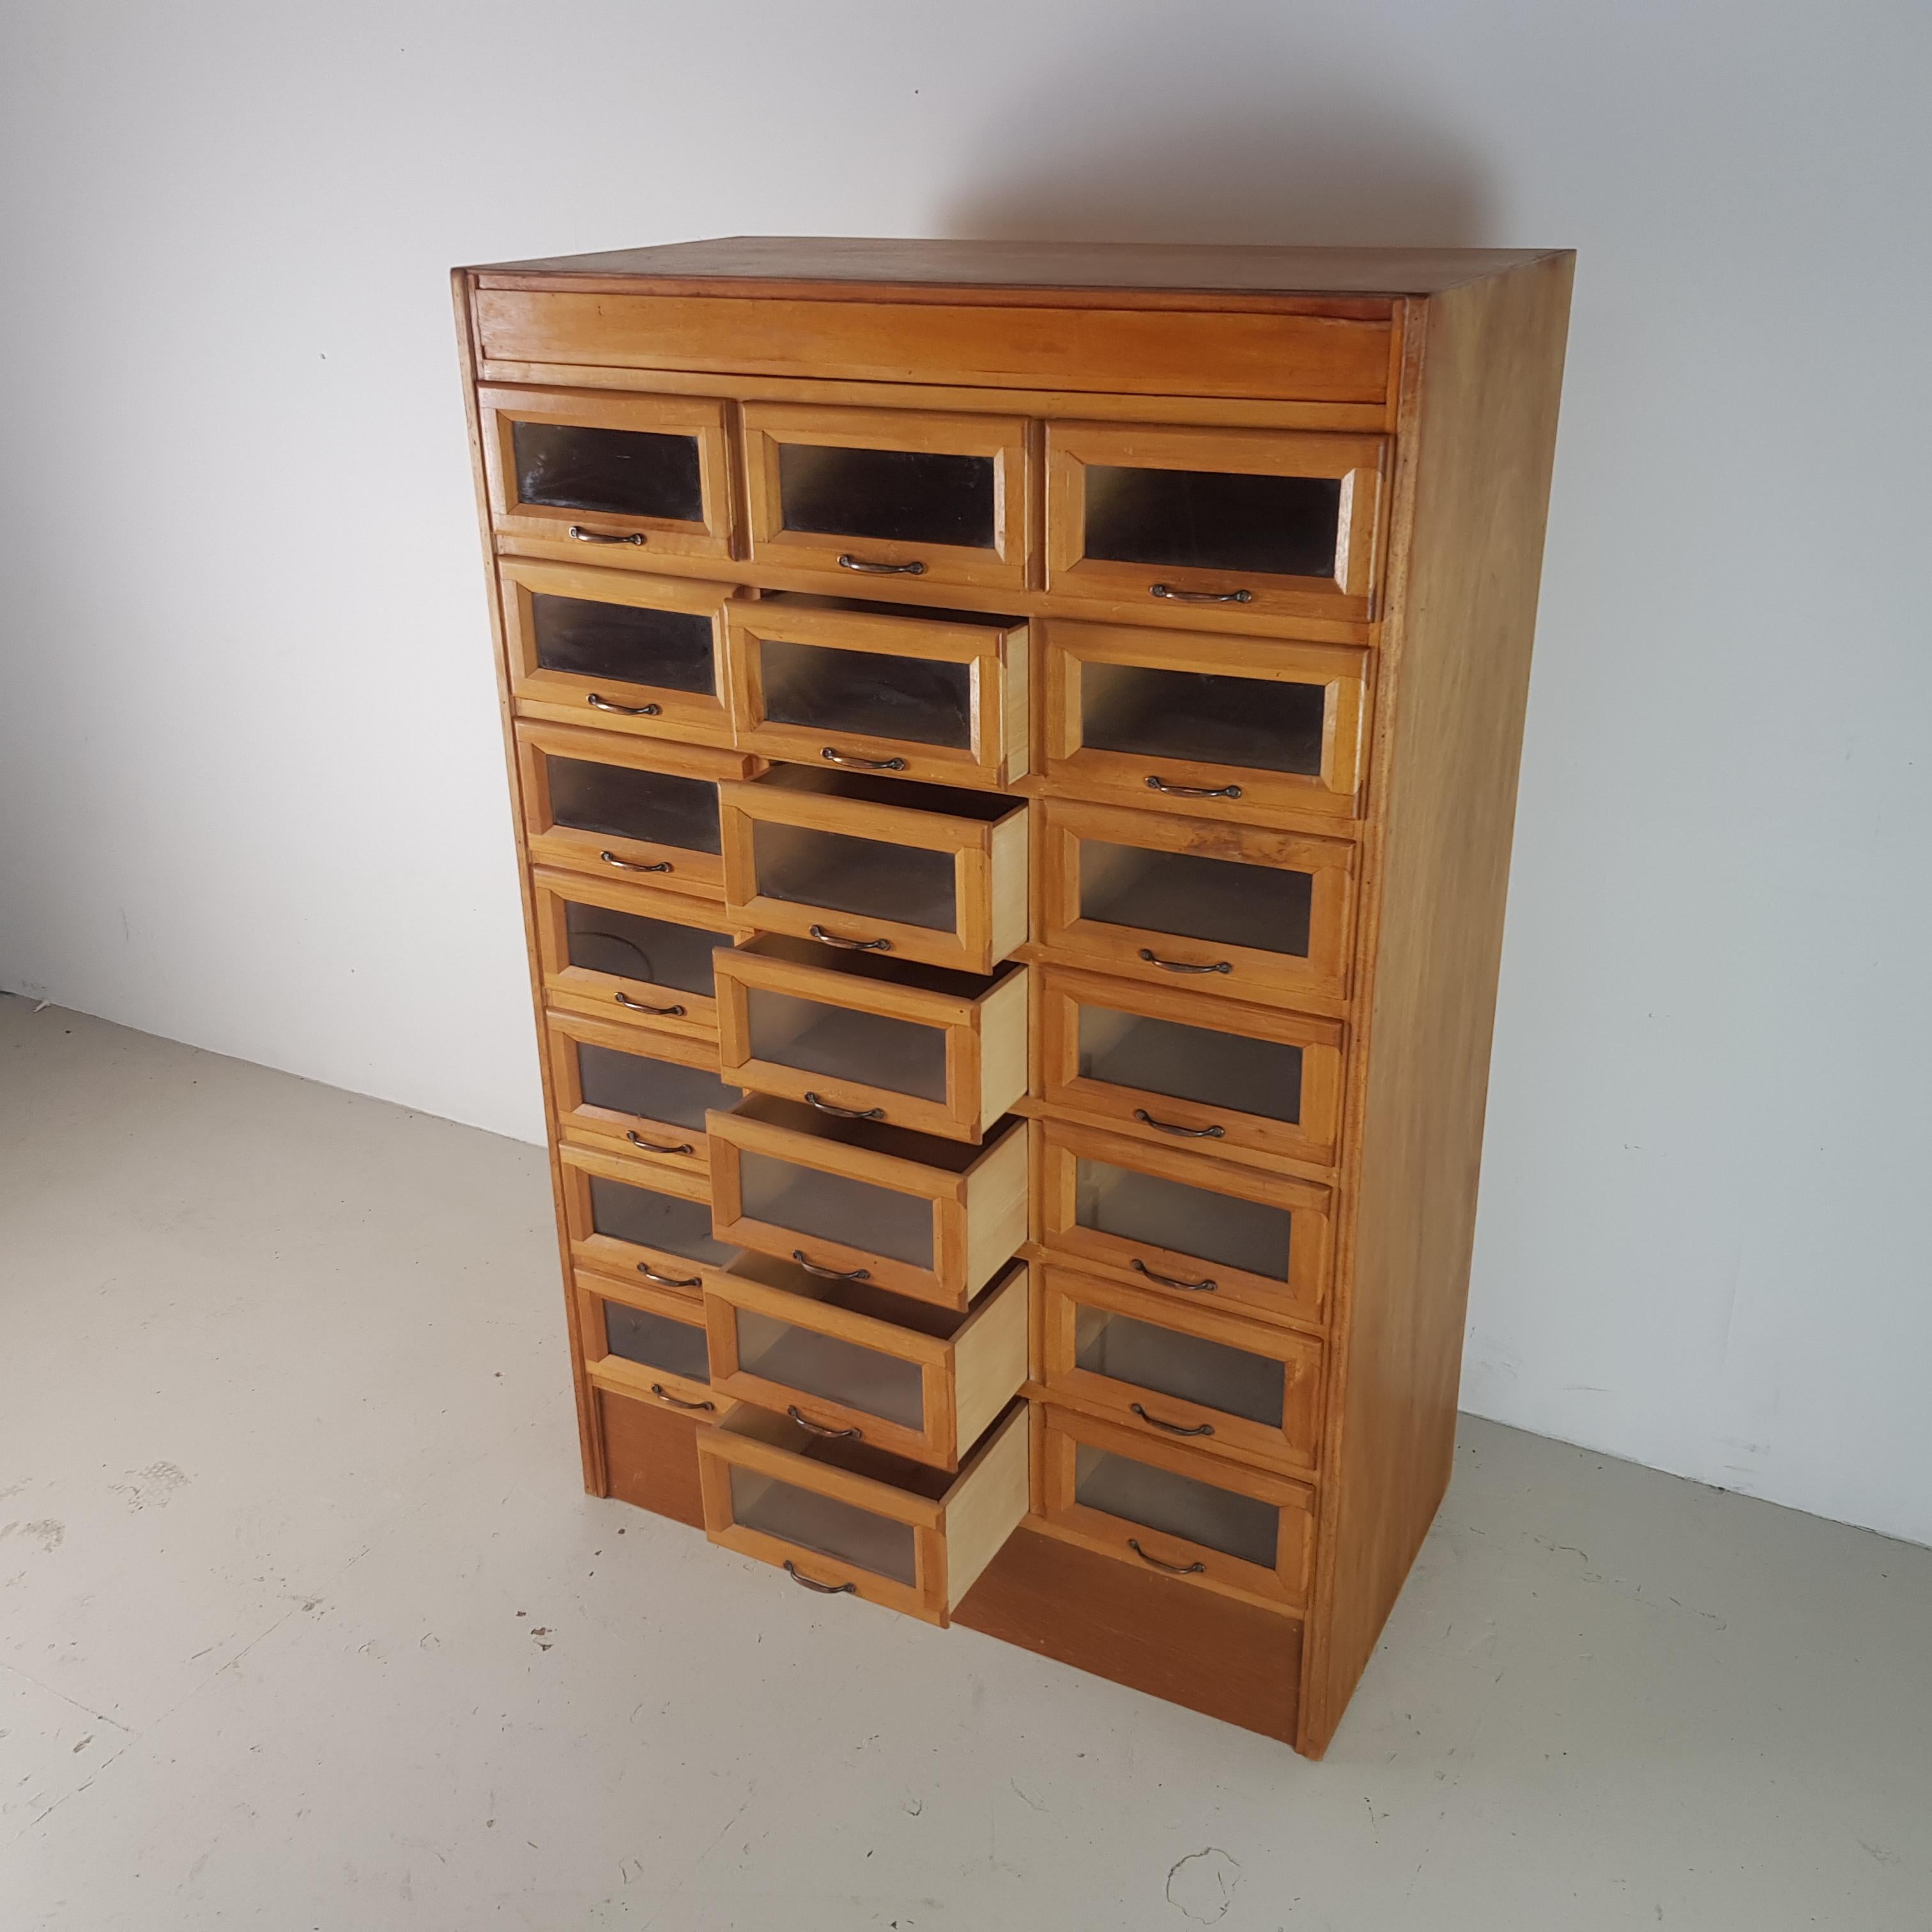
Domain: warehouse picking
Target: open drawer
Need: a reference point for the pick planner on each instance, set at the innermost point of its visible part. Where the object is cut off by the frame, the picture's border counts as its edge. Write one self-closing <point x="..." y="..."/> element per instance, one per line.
<point x="871" y="865"/>
<point x="912" y="1046"/>
<point x="639" y="1094"/>
<point x="637" y="1222"/>
<point x="852" y="1201"/>
<point x="848" y="1362"/>
<point x="645" y="1342"/>
<point x="845" y="1520"/>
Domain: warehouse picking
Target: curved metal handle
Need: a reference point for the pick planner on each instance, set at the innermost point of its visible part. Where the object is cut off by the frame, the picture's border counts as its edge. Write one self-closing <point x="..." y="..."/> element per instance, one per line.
<point x="1182" y="965"/>
<point x="636" y="1139"/>
<point x="824" y="938"/>
<point x="824" y="1589"/>
<point x="598" y="703"/>
<point x="1172" y="1428"/>
<point x="838" y="1113"/>
<point x="830" y="1274"/>
<point x="1147" y="1120"/>
<point x="848" y="562"/>
<point x="1172" y="1569"/>
<point x="599" y="536"/>
<point x="638" y="1007"/>
<point x="1206" y="1285"/>
<point x="1192" y="791"/>
<point x="819" y="1428"/>
<point x="628" y="865"/>
<point x="650" y="1274"/>
<point x="1200" y="596"/>
<point x="833" y="756"/>
<point x="664" y="1394"/>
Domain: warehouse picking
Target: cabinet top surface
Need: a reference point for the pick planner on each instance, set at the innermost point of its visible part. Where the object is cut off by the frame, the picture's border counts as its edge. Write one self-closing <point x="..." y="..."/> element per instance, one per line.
<point x="747" y="264"/>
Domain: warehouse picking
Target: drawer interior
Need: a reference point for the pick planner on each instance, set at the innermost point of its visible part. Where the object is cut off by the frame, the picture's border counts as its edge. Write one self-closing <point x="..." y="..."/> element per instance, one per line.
<point x="1203" y="717"/>
<point x="656" y="1341"/>
<point x="647" y="1088"/>
<point x="625" y="644"/>
<point x="618" y="473"/>
<point x="837" y="1208"/>
<point x="1213" y="520"/>
<point x="623" y="801"/>
<point x="867" y="877"/>
<point x="634" y="946"/>
<point x="899" y="1056"/>
<point x="828" y="1525"/>
<point x="892" y="496"/>
<point x="626" y="1212"/>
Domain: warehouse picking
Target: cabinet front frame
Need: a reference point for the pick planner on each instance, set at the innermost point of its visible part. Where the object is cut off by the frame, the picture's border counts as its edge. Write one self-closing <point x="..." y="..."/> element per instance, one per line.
<point x="610" y="1254"/>
<point x="670" y="1145"/>
<point x="620" y="1376"/>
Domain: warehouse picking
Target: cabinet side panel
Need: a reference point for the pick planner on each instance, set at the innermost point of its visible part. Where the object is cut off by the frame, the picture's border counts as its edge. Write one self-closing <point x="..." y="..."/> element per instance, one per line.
<point x="1462" y="616"/>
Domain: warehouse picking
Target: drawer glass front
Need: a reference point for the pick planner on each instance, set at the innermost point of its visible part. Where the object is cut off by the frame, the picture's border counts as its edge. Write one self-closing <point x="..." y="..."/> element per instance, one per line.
<point x="1164" y="1361"/>
<point x="1239" y="1526"/>
<point x="870" y="694"/>
<point x="1212" y="520"/>
<point x="864" y="877"/>
<point x="630" y="945"/>
<point x="1165" y="1214"/>
<point x="1256" y="724"/>
<point x="653" y="1220"/>
<point x="1219" y="900"/>
<point x="824" y="1523"/>
<point x="895" y="496"/>
<point x="842" y="1043"/>
<point x="620" y="472"/>
<point x="653" y="1090"/>
<point x="1258" y="1077"/>
<point x="832" y="1368"/>
<point x="623" y="803"/>
<point x="672" y="650"/>
<point x="656" y="1342"/>
<point x="856" y="1214"/>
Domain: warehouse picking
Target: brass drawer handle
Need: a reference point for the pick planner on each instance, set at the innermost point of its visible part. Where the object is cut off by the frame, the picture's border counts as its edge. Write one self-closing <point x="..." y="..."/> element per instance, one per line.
<point x="636" y="1139"/>
<point x="1147" y="1120"/>
<point x="824" y="938"/>
<point x="838" y="1113"/>
<point x="664" y="1394"/>
<point x="830" y="1274"/>
<point x="824" y="1589"/>
<point x="1192" y="791"/>
<point x="628" y="865"/>
<point x="1172" y="1569"/>
<point x="1168" y="591"/>
<point x="598" y="703"/>
<point x="1182" y="965"/>
<point x="650" y="1274"/>
<point x="638" y="1007"/>
<point x="1206" y="1285"/>
<point x="598" y="536"/>
<point x="834" y="757"/>
<point x="848" y="562"/>
<point x="819" y="1428"/>
<point x="1172" y="1428"/>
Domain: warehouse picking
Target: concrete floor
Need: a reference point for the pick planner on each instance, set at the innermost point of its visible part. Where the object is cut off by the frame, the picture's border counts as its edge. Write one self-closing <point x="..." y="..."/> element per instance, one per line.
<point x="305" y="1622"/>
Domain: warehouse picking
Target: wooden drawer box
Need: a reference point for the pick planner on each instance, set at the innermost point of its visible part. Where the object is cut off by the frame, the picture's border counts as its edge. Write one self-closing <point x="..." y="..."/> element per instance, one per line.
<point x="645" y="1343"/>
<point x="871" y="865"/>
<point x="845" y="1359"/>
<point x="935" y="694"/>
<point x="635" y="1220"/>
<point x="852" y="1201"/>
<point x="909" y="1045"/>
<point x="844" y="1519"/>
<point x="641" y="1095"/>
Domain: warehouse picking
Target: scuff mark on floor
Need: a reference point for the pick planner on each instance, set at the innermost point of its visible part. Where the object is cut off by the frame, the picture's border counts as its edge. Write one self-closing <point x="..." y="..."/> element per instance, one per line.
<point x="1202" y="1885"/>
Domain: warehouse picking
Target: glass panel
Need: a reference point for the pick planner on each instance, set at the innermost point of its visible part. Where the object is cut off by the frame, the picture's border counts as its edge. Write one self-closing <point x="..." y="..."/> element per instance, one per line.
<point x="1190" y="1063"/>
<point x="823" y="1365"/>
<point x="1261" y="906"/>
<point x="672" y="649"/>
<point x="622" y="472"/>
<point x="899" y="496"/>
<point x="655" y="1220"/>
<point x="656" y="1342"/>
<point x="900" y="1056"/>
<point x="1166" y="1362"/>
<point x="833" y="1528"/>
<point x="858" y="1213"/>
<point x="1260" y="723"/>
<point x="1217" y="1519"/>
<point x="625" y="803"/>
<point x="901" y="883"/>
<point x="1213" y="520"/>
<point x="632" y="947"/>
<point x="1247" y="1234"/>
<point x="654" y="1090"/>
<point x="923" y="701"/>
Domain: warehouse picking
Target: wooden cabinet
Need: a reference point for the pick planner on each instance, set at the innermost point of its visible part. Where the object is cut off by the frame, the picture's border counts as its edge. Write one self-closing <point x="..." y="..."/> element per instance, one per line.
<point x="1014" y="749"/>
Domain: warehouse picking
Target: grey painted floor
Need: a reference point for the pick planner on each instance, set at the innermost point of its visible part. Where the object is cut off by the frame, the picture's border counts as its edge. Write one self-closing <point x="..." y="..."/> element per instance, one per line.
<point x="304" y="1621"/>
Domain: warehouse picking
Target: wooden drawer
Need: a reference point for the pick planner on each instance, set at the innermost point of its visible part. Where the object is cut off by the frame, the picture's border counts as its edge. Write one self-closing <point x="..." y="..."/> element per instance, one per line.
<point x="1164" y="1064"/>
<point x="1277" y="524"/>
<point x="642" y="1095"/>
<point x="852" y="1201"/>
<point x="909" y="1045"/>
<point x="881" y="494"/>
<point x="869" y="864"/>
<point x="1184" y="1224"/>
<point x="646" y="1343"/>
<point x="620" y="477"/>
<point x="1226" y="727"/>
<point x="1238" y="908"/>
<point x="607" y="805"/>
<point x="637" y="1220"/>
<point x="845" y="1360"/>
<point x="1199" y="1518"/>
<point x="937" y="695"/>
<point x="626" y="952"/>
<point x="844" y="1519"/>
<point x="1169" y="1371"/>
<point x="616" y="648"/>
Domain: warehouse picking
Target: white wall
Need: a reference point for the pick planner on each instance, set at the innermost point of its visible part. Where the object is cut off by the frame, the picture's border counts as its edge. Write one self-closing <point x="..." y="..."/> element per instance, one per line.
<point x="250" y="787"/>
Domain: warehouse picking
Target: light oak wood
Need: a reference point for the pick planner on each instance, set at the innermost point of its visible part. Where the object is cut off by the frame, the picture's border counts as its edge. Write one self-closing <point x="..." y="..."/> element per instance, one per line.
<point x="636" y="1136"/>
<point x="615" y="1375"/>
<point x="604" y="1254"/>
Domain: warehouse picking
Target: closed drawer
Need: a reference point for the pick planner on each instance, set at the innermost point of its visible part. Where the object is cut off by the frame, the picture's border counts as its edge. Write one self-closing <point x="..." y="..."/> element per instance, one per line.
<point x="844" y="1519"/>
<point x="639" y="1094"/>
<point x="1174" y="1373"/>
<point x="864" y="864"/>
<point x="646" y="1343"/>
<point x="909" y="1045"/>
<point x="882" y="494"/>
<point x="920" y="693"/>
<point x="847" y="1361"/>
<point x="618" y="649"/>
<point x="620" y="478"/>
<point x="1165" y="1065"/>
<point x="636" y="1221"/>
<point x="1266" y="522"/>
<point x="1196" y="1518"/>
<point x="1222" y="726"/>
<point x="629" y="951"/>
<point x="613" y="806"/>
<point x="1191" y="1227"/>
<point x="1238" y="908"/>
<point x="854" y="1202"/>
